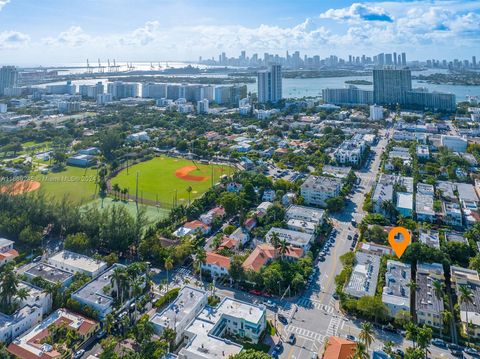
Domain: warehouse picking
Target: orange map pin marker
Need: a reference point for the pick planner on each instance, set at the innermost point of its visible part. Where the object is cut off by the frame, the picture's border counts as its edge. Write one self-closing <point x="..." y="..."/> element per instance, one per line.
<point x="399" y="245"/>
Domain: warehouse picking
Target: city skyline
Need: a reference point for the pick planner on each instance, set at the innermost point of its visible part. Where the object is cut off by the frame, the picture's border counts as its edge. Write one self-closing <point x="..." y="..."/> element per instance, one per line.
<point x="55" y="33"/>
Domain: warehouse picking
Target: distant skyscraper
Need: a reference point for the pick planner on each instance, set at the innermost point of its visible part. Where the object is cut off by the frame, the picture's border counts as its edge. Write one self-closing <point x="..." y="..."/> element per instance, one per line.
<point x="270" y="84"/>
<point x="474" y="62"/>
<point x="395" y="58"/>
<point x="404" y="59"/>
<point x="391" y="85"/>
<point x="388" y="59"/>
<point x="8" y="78"/>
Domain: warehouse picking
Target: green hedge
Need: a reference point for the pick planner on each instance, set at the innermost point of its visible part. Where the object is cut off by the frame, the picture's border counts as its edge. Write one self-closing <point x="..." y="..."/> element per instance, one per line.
<point x="167" y="298"/>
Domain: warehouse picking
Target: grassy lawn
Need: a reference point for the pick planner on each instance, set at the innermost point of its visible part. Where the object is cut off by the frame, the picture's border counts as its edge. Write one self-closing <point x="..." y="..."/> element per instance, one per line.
<point x="78" y="184"/>
<point x="159" y="178"/>
<point x="152" y="213"/>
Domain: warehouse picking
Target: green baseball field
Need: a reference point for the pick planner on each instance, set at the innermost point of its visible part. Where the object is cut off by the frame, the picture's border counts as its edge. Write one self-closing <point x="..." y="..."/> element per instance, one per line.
<point x="164" y="178"/>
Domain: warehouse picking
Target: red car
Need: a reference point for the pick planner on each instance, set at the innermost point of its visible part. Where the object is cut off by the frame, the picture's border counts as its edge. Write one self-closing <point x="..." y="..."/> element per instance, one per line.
<point x="255" y="292"/>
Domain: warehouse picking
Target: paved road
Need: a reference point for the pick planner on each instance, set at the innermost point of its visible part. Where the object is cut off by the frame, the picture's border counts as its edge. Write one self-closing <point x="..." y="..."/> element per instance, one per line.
<point x="318" y="315"/>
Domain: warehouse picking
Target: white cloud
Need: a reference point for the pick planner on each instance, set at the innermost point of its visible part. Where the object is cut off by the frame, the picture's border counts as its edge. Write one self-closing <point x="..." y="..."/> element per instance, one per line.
<point x="418" y="27"/>
<point x="358" y="12"/>
<point x="73" y="37"/>
<point x="143" y="35"/>
<point x="3" y="3"/>
<point x="13" y="40"/>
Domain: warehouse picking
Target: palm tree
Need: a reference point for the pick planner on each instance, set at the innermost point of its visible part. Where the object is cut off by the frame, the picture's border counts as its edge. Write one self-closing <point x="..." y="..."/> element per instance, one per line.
<point x="109" y="321"/>
<point x="137" y="286"/>
<point x="438" y="292"/>
<point x="366" y="335"/>
<point x="360" y="352"/>
<point x="283" y="248"/>
<point x="189" y="191"/>
<point x="465" y="298"/>
<point x="389" y="209"/>
<point x="446" y="317"/>
<point x="200" y="259"/>
<point x="119" y="279"/>
<point x="116" y="190"/>
<point x="8" y="287"/>
<point x="411" y="330"/>
<point x="168" y="266"/>
<point x="275" y="239"/>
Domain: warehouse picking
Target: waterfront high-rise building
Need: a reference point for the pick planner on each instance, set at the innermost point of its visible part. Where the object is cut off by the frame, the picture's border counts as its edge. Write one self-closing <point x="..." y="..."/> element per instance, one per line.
<point x="269" y="84"/>
<point x="8" y="78"/>
<point x="404" y="59"/>
<point x="391" y="85"/>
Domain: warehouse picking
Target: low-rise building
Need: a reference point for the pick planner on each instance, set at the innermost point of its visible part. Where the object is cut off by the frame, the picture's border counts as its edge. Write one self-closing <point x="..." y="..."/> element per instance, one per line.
<point x="216" y="264"/>
<point x="77" y="263"/>
<point x="303" y="213"/>
<point x="350" y="152"/>
<point x="97" y="294"/>
<point x="405" y="204"/>
<point x="301" y="226"/>
<point x="430" y="238"/>
<point x="34" y="343"/>
<point x="212" y="333"/>
<point x="316" y="190"/>
<point x="396" y="292"/>
<point x="179" y="314"/>
<point x="468" y="277"/>
<point x="452" y="214"/>
<point x="293" y="238"/>
<point x="7" y="252"/>
<point x="31" y="310"/>
<point x="428" y="306"/>
<point x="50" y="274"/>
<point x="383" y="192"/>
<point x="423" y="152"/>
<point x="80" y="160"/>
<point x="454" y="143"/>
<point x="264" y="253"/>
<point x="364" y="278"/>
<point x="424" y="207"/>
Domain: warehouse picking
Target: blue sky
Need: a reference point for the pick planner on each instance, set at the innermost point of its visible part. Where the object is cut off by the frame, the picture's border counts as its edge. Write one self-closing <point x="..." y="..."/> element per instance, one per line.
<point x="57" y="31"/>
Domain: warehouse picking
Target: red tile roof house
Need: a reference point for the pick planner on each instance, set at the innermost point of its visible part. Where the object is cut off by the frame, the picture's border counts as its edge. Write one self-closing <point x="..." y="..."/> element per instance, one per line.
<point x="265" y="253"/>
<point x="216" y="264"/>
<point x="228" y="243"/>
<point x="209" y="217"/>
<point x="31" y="344"/>
<point x="197" y="226"/>
<point x="250" y="223"/>
<point x="7" y="253"/>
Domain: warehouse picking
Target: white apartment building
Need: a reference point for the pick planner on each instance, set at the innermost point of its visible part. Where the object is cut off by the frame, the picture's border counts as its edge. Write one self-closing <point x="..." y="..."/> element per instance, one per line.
<point x="316" y="190"/>
<point x="37" y="304"/>
<point x="364" y="278"/>
<point x="77" y="263"/>
<point x="454" y="143"/>
<point x="293" y="238"/>
<point x="376" y="113"/>
<point x="396" y="292"/>
<point x="350" y="152"/>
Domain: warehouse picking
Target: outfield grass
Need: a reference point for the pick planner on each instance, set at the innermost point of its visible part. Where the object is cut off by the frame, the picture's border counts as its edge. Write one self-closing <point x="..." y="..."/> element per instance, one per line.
<point x="78" y="184"/>
<point x="157" y="179"/>
<point x="152" y="213"/>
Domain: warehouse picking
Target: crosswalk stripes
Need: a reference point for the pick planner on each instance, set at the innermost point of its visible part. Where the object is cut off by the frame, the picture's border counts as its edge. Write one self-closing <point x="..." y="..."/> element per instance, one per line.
<point x="287" y="310"/>
<point x="333" y="326"/>
<point x="307" y="303"/>
<point x="304" y="333"/>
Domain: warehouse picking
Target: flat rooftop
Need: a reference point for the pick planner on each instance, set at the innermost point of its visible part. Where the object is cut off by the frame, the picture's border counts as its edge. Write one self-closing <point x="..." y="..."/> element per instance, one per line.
<point x="49" y="273"/>
<point x="5" y="242"/>
<point x="430" y="238"/>
<point x="397" y="278"/>
<point x="303" y="212"/>
<point x="364" y="278"/>
<point x="186" y="302"/>
<point x="77" y="261"/>
<point x="405" y="200"/>
<point x="295" y="238"/>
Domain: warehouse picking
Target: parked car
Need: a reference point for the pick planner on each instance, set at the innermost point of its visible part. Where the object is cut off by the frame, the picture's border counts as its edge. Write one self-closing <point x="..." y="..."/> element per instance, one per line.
<point x="439" y="343"/>
<point x="255" y="292"/>
<point x="100" y="334"/>
<point x="351" y="338"/>
<point x="282" y="319"/>
<point x="454" y="346"/>
<point x="270" y="304"/>
<point x="471" y="351"/>
<point x="37" y="259"/>
<point x="321" y="258"/>
<point x="78" y="354"/>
